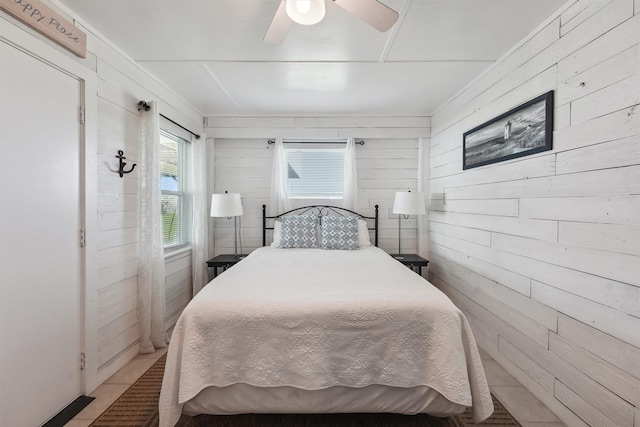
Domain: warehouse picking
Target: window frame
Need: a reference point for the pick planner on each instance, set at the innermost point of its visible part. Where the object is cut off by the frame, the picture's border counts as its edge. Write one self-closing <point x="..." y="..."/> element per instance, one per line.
<point x="314" y="145"/>
<point x="184" y="191"/>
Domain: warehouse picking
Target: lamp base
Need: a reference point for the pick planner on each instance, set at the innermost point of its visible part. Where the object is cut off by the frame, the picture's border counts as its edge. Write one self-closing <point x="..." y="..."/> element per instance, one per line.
<point x="398" y="257"/>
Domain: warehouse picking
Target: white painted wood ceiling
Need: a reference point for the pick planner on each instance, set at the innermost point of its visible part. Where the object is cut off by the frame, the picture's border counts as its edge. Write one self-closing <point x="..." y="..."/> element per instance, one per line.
<point x="211" y="52"/>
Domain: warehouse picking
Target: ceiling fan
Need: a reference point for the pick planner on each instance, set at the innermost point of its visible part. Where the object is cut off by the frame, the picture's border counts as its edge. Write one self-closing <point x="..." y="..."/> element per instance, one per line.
<point x="309" y="12"/>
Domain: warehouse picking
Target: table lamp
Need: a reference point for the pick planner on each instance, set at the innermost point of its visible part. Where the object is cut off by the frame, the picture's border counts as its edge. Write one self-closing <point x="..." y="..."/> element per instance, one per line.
<point x="407" y="203"/>
<point x="228" y="205"/>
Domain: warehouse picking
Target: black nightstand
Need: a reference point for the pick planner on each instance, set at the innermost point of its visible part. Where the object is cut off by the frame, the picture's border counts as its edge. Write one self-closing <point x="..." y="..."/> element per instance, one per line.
<point x="225" y="261"/>
<point x="412" y="261"/>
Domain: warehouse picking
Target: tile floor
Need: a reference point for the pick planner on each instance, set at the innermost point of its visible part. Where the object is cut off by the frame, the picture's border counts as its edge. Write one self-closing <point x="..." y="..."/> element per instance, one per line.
<point x="524" y="406"/>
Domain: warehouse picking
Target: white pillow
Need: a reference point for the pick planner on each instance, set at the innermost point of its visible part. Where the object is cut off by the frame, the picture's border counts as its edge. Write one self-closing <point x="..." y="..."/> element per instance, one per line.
<point x="277" y="233"/>
<point x="363" y="234"/>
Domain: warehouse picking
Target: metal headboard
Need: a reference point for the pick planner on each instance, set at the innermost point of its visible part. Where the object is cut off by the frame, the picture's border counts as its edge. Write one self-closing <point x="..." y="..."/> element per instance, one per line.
<point x="322" y="210"/>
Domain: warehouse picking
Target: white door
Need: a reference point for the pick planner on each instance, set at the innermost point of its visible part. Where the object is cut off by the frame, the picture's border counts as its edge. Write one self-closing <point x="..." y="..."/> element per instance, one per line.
<point x="41" y="262"/>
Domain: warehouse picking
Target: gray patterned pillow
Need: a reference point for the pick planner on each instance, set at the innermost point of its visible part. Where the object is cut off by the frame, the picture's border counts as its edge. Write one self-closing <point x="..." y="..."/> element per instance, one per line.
<point x="299" y="231"/>
<point x="340" y="232"/>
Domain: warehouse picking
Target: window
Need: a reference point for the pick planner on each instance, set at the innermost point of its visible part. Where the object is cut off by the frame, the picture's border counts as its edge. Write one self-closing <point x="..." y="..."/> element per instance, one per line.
<point x="315" y="170"/>
<point x="173" y="185"/>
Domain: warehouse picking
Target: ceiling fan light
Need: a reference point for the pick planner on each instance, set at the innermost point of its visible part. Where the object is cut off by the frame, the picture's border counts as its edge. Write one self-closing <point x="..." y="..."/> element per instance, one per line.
<point x="305" y="12"/>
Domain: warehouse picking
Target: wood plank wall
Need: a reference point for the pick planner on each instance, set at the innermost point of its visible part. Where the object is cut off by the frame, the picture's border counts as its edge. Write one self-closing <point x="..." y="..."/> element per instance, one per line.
<point x="542" y="253"/>
<point x="388" y="162"/>
<point x="121" y="84"/>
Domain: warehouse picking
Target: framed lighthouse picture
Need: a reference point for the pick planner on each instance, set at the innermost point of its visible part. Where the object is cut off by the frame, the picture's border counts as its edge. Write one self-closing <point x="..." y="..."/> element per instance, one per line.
<point x="523" y="130"/>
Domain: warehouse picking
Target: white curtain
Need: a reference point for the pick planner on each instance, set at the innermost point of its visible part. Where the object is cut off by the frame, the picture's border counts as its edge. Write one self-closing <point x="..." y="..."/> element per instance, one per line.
<point x="200" y="219"/>
<point x="151" y="278"/>
<point x="280" y="201"/>
<point x="350" y="193"/>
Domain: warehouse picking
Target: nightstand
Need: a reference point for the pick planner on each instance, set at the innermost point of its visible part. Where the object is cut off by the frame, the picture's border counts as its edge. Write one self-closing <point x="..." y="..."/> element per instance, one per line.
<point x="225" y="261"/>
<point x="412" y="261"/>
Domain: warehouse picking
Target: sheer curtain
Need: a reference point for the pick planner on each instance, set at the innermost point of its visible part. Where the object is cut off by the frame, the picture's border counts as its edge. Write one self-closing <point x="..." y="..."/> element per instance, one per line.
<point x="200" y="221"/>
<point x="280" y="201"/>
<point x="151" y="278"/>
<point x="350" y="193"/>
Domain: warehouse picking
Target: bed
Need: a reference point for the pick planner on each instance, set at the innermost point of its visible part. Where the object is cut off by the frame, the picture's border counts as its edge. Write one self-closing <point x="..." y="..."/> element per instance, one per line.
<point x="304" y="325"/>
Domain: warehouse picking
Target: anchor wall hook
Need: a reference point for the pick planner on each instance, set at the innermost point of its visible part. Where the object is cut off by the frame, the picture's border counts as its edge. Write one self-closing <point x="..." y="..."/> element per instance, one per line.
<point x="121" y="170"/>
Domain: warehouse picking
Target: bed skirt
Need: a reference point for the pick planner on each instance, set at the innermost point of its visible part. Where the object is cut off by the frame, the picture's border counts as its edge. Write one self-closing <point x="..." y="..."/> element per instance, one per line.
<point x="244" y="398"/>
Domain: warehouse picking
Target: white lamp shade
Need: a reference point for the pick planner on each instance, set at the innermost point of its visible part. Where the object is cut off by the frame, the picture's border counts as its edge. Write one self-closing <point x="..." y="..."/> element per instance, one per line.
<point x="226" y="204"/>
<point x="305" y="12"/>
<point x="409" y="203"/>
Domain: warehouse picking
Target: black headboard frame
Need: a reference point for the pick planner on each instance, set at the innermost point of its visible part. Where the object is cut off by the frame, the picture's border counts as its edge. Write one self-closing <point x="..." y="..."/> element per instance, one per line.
<point x="322" y="210"/>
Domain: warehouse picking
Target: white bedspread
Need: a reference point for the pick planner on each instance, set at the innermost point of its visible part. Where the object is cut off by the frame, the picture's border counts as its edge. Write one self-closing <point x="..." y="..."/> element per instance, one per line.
<point x="312" y="319"/>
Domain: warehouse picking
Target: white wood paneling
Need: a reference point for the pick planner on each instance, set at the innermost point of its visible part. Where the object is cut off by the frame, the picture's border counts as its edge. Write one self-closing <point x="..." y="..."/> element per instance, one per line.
<point x="387" y="162"/>
<point x="615" y="97"/>
<point x="617" y="39"/>
<point x="605" y="209"/>
<point x="618" y="266"/>
<point x="117" y="300"/>
<point x="615" y="408"/>
<point x="530" y="367"/>
<point x="608" y="155"/>
<point x="614" y="182"/>
<point x="459" y="185"/>
<point x="317" y="127"/>
<point x="581" y="264"/>
<point x="531" y="228"/>
<point x="613" y="70"/>
<point x="610" y="237"/>
<point x="117" y="273"/>
<point x="517" y="322"/>
<point x="581" y="407"/>
<point x="122" y="85"/>
<point x="489" y="325"/>
<point x="112" y="330"/>
<point x="615" y="379"/>
<point x="609" y="127"/>
<point x="499" y="207"/>
<point x="481" y="237"/>
<point x="578" y="13"/>
<point x="618" y="324"/>
<point x="458" y="254"/>
<point x="602" y="345"/>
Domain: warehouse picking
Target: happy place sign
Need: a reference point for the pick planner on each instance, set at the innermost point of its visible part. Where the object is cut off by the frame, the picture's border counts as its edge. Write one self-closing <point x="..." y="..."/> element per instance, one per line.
<point x="49" y="23"/>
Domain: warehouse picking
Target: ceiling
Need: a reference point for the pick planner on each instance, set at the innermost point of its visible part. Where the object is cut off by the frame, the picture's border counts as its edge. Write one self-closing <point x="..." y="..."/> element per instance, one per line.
<point x="211" y="52"/>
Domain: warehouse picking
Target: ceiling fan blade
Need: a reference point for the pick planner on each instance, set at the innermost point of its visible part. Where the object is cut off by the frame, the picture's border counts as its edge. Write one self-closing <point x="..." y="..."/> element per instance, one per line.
<point x="279" y="25"/>
<point x="374" y="13"/>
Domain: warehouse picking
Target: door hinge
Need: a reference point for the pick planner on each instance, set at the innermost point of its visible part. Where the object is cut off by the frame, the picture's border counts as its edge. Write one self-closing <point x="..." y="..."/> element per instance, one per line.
<point x="83" y="360"/>
<point x="83" y="238"/>
<point x="82" y="115"/>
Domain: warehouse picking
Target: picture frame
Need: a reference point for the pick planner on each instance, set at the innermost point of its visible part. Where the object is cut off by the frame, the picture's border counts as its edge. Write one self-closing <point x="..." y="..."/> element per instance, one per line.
<point x="521" y="131"/>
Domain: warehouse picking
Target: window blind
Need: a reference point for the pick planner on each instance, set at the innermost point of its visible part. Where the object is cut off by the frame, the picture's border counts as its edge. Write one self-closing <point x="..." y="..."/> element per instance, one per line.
<point x="173" y="188"/>
<point x="315" y="170"/>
